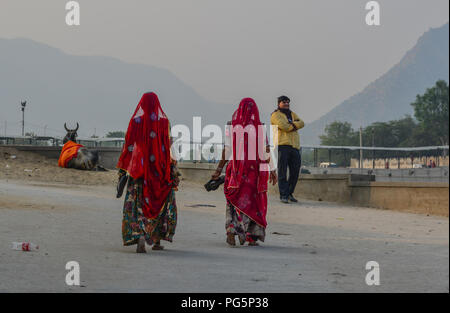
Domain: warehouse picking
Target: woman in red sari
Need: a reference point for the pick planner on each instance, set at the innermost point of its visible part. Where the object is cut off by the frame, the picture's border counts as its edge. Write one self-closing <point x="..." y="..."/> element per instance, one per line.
<point x="246" y="176"/>
<point x="150" y="211"/>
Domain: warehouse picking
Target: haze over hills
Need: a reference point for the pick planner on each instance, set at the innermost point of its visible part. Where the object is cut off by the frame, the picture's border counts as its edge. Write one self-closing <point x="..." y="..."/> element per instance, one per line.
<point x="99" y="92"/>
<point x="389" y="97"/>
<point x="102" y="92"/>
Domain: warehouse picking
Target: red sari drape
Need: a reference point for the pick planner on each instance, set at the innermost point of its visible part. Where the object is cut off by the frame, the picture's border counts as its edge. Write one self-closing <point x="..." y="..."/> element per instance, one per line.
<point x="146" y="153"/>
<point x="245" y="184"/>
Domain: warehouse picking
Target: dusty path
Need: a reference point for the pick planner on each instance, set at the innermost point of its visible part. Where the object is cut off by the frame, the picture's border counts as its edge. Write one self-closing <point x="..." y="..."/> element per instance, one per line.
<point x="21" y="165"/>
<point x="320" y="247"/>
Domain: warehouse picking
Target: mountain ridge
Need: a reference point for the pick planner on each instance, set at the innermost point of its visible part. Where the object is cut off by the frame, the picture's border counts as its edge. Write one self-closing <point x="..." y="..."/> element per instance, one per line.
<point x="389" y="96"/>
<point x="94" y="90"/>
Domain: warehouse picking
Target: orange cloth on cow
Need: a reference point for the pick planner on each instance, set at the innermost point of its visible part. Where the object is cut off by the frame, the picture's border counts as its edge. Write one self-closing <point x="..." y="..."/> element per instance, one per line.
<point x="68" y="152"/>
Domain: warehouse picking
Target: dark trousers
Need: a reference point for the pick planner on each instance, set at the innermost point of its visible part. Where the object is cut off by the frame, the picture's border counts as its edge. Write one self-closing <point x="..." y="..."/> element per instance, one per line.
<point x="288" y="157"/>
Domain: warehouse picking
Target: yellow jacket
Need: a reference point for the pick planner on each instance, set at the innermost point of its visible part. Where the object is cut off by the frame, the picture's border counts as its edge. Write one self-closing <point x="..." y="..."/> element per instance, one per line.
<point x="287" y="134"/>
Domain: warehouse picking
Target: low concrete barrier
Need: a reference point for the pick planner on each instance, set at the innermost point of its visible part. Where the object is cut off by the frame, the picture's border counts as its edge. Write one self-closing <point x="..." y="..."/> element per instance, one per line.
<point x="357" y="189"/>
<point x="415" y="197"/>
<point x="197" y="172"/>
<point x="108" y="155"/>
<point x="353" y="189"/>
<point x="331" y="188"/>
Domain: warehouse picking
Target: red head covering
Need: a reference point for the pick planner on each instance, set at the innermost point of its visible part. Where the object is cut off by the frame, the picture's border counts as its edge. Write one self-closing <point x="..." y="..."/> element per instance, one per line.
<point x="245" y="184"/>
<point x="146" y="153"/>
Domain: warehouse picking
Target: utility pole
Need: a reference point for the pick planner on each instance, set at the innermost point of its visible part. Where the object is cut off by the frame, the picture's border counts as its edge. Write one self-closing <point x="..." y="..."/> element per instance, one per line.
<point x="45" y="130"/>
<point x="23" y="104"/>
<point x="360" y="150"/>
<point x="6" y="123"/>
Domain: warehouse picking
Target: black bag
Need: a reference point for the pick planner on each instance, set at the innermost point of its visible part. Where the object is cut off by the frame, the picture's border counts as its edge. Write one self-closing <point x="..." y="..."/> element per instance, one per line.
<point x="121" y="185"/>
<point x="214" y="184"/>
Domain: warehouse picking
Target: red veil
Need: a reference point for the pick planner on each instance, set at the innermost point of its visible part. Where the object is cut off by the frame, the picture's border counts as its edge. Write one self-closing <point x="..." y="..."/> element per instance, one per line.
<point x="146" y="153"/>
<point x="245" y="184"/>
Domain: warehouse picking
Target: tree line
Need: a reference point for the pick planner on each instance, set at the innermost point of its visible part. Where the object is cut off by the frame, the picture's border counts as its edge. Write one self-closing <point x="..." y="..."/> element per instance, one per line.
<point x="428" y="127"/>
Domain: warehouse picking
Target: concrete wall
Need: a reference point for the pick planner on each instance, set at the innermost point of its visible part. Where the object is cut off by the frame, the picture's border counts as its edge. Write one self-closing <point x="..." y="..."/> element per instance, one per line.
<point x="197" y="172"/>
<point x="356" y="188"/>
<point x="353" y="189"/>
<point x="332" y="188"/>
<point x="108" y="155"/>
<point x="425" y="198"/>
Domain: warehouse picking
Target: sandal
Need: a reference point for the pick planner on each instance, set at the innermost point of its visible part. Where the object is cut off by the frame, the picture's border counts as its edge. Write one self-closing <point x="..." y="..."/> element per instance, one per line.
<point x="157" y="246"/>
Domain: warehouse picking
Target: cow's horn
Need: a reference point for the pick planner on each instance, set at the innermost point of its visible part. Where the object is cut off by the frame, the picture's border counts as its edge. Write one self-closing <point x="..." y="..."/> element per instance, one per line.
<point x="78" y="126"/>
<point x="66" y="127"/>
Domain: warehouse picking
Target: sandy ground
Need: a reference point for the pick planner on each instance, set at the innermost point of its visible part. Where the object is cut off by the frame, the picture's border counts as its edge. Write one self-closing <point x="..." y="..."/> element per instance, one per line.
<point x="310" y="247"/>
<point x="31" y="166"/>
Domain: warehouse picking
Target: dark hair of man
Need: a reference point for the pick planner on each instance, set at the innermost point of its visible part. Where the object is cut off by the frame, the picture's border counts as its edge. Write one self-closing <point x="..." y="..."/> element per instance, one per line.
<point x="282" y="99"/>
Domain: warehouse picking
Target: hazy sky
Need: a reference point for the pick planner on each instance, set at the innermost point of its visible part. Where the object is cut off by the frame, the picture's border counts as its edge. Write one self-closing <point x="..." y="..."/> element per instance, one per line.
<point x="317" y="52"/>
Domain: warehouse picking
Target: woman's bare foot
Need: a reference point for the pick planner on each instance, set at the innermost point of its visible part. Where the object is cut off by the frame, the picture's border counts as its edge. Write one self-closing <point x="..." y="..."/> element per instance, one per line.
<point x="141" y="245"/>
<point x="157" y="246"/>
<point x="230" y="240"/>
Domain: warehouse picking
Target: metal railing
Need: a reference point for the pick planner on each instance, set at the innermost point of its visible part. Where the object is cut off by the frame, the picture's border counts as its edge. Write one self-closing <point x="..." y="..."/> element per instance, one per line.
<point x="312" y="156"/>
<point x="58" y="141"/>
<point x="335" y="156"/>
<point x="345" y="156"/>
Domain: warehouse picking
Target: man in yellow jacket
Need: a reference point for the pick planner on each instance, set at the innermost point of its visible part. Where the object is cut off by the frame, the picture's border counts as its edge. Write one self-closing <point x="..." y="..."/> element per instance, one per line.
<point x="288" y="142"/>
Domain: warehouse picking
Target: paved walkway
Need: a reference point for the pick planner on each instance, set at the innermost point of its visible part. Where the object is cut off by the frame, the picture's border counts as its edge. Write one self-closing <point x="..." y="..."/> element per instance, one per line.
<point x="310" y="247"/>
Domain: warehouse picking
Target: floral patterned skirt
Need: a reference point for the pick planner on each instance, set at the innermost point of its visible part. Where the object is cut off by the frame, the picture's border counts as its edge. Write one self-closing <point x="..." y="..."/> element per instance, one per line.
<point x="135" y="224"/>
<point x="241" y="225"/>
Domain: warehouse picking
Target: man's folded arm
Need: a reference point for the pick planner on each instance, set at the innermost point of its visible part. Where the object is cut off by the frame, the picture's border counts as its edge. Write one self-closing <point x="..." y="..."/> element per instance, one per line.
<point x="298" y="122"/>
<point x="282" y="124"/>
